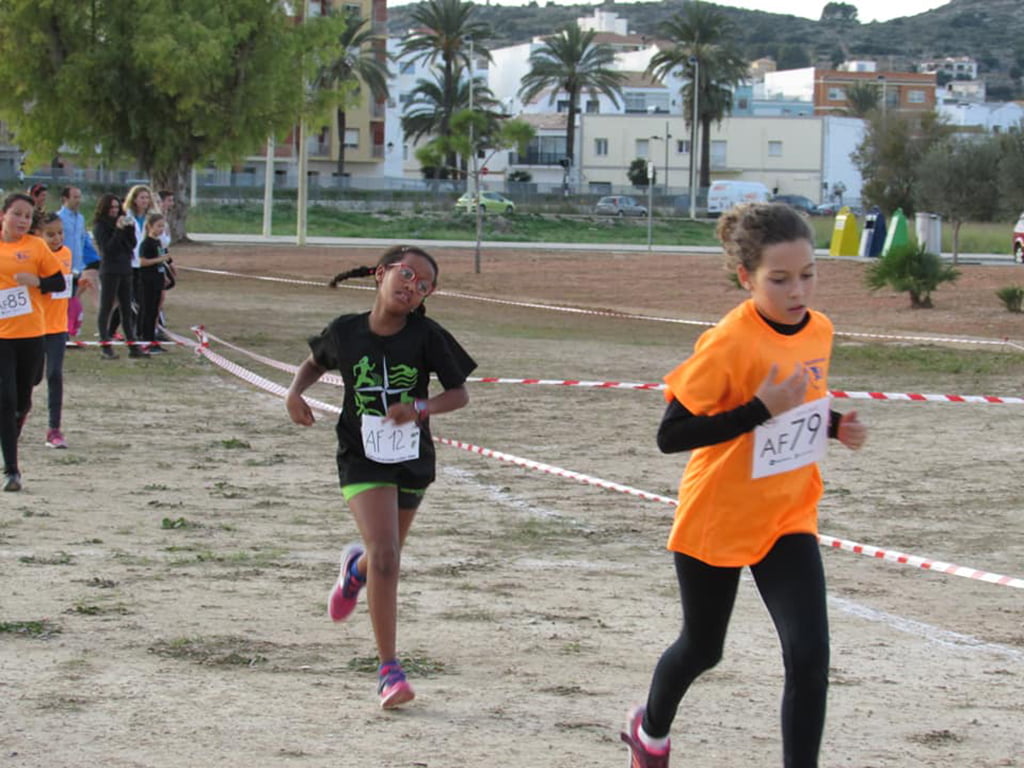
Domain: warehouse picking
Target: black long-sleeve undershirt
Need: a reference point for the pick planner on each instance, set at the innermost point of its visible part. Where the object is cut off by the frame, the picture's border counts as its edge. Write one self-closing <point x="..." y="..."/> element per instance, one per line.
<point x="681" y="430"/>
<point x="52" y="283"/>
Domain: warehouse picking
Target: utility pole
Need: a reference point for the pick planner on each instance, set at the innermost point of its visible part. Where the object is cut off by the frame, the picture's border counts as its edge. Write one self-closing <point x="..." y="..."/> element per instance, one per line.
<point x="695" y="134"/>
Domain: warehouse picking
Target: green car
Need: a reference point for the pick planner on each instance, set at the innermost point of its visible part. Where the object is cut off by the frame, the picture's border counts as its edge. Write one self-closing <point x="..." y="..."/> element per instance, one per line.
<point x="489" y="202"/>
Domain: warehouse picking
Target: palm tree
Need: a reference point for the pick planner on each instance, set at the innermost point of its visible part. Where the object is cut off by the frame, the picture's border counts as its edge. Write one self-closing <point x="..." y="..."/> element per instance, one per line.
<point x="448" y="32"/>
<point x="360" y="64"/>
<point x="570" y="62"/>
<point x="862" y="98"/>
<point x="702" y="34"/>
<point x="428" y="101"/>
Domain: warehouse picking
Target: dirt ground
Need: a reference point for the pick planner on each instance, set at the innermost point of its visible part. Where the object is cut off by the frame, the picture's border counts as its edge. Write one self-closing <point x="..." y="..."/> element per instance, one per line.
<point x="165" y="578"/>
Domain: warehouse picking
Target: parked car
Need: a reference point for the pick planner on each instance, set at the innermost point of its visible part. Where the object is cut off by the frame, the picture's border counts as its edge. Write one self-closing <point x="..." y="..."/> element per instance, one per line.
<point x="489" y="202"/>
<point x="1018" y="240"/>
<point x="620" y="205"/>
<point x="801" y="203"/>
<point x="826" y="209"/>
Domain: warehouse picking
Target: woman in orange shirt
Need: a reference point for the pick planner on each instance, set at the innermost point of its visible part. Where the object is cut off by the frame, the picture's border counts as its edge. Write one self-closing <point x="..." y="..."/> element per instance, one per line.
<point x="752" y="405"/>
<point x="27" y="270"/>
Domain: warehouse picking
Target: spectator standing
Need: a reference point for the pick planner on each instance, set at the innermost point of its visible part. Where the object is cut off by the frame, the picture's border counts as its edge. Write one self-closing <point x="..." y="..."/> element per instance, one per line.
<point x="38" y="193"/>
<point x="114" y="233"/>
<point x="153" y="260"/>
<point x="83" y="254"/>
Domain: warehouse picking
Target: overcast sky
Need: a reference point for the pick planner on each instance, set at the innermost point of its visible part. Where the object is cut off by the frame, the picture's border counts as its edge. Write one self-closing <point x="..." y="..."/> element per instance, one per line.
<point x="867" y="10"/>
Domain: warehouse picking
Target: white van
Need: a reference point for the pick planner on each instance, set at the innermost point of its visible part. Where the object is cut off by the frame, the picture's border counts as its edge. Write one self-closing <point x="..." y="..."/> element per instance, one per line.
<point x="723" y="195"/>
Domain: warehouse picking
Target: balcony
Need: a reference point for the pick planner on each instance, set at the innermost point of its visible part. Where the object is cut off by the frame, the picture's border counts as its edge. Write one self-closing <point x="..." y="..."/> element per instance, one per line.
<point x="536" y="158"/>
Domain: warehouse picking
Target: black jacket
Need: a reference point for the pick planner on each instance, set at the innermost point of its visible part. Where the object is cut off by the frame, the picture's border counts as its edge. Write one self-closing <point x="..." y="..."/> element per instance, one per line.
<point x="115" y="245"/>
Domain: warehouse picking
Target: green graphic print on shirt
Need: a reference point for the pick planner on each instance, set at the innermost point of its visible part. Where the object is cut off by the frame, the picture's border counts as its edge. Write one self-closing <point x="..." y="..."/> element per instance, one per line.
<point x="372" y="388"/>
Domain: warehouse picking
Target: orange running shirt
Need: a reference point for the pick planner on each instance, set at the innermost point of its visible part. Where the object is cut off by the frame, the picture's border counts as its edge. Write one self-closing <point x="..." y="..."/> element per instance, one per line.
<point x="55" y="310"/>
<point x="725" y="517"/>
<point x="32" y="255"/>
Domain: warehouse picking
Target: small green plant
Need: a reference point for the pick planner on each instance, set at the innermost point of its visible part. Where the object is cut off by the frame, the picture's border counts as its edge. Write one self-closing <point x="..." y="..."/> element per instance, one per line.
<point x="911" y="268"/>
<point x="1012" y="297"/>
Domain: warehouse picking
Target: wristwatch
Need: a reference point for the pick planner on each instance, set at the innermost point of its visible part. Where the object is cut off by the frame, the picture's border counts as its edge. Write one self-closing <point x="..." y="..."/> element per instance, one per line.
<point x="422" y="410"/>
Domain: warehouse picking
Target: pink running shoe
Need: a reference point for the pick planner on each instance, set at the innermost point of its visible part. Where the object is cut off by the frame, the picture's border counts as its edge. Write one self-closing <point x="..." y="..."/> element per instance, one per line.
<point x="54" y="439"/>
<point x="392" y="686"/>
<point x="342" y="600"/>
<point x="639" y="755"/>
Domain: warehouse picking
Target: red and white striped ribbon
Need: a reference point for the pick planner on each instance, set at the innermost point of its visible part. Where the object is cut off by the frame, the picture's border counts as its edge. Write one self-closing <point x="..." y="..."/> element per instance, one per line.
<point x="838" y="393"/>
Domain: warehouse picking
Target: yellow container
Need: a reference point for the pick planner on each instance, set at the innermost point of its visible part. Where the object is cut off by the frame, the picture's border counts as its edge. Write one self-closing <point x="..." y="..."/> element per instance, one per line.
<point x="845" y="234"/>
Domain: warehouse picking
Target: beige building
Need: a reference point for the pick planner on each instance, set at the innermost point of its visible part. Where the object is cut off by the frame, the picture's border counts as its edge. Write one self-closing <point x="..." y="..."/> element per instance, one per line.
<point x="793" y="155"/>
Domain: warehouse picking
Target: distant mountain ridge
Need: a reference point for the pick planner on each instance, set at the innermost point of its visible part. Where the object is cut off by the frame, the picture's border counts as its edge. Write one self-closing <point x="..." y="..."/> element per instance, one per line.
<point x="990" y="31"/>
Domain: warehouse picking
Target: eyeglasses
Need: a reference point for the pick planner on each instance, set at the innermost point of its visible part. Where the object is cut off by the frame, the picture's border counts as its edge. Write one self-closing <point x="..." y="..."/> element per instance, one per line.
<point x="422" y="285"/>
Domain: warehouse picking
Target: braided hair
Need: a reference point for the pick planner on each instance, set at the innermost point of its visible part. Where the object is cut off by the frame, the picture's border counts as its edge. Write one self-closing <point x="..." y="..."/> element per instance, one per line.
<point x="391" y="256"/>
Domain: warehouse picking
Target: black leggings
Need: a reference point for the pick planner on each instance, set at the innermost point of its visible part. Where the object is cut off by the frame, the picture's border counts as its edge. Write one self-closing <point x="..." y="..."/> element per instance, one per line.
<point x="115" y="288"/>
<point x="54" y="345"/>
<point x="21" y="363"/>
<point x="791" y="581"/>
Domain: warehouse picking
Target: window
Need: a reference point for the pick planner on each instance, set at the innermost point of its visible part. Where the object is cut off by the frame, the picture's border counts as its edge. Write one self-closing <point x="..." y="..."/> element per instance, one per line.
<point x="351" y="137"/>
<point x="562" y="105"/>
<point x="643" y="148"/>
<point x="718" y="154"/>
<point x="601" y="147"/>
<point x="915" y="97"/>
<point x="837" y="94"/>
<point x="593" y="106"/>
<point x="683" y="146"/>
<point x="634" y="102"/>
<point x="774" y="149"/>
<point x="741" y="103"/>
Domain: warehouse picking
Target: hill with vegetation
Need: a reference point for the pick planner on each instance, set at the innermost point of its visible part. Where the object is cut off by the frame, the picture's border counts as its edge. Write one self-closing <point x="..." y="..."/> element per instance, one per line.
<point x="990" y="31"/>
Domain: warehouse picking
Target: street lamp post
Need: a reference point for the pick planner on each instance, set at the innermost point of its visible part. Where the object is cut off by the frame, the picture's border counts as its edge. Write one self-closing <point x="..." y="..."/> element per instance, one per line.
<point x="667" y="137"/>
<point x="694" y="134"/>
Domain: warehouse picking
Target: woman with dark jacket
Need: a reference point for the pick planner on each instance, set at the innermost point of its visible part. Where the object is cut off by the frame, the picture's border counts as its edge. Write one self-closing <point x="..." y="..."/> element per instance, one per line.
<point x="114" y="233"/>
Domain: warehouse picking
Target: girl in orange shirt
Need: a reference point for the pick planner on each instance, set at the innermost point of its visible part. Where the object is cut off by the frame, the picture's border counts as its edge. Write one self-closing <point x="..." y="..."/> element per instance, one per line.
<point x="55" y="314"/>
<point x="27" y="270"/>
<point x="751" y="403"/>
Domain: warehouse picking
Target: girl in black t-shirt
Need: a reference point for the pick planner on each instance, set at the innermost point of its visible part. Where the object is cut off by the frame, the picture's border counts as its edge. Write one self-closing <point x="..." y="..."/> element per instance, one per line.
<point x="385" y="452"/>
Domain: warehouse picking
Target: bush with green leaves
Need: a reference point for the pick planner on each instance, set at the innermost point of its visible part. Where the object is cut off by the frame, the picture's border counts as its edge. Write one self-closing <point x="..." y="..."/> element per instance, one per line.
<point x="1012" y="297"/>
<point x="911" y="268"/>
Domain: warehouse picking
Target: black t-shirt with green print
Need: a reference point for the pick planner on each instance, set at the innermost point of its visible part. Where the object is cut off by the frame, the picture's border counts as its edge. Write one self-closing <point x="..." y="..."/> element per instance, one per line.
<point x="379" y="371"/>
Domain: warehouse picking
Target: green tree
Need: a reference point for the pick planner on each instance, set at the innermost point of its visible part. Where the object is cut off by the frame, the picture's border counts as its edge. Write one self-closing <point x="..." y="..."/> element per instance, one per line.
<point x="1011" y="171"/>
<point x="449" y="33"/>
<point x="889" y="155"/>
<point x="955" y="181"/>
<point x="362" y="63"/>
<point x="168" y="83"/>
<point x="704" y="39"/>
<point x="481" y="131"/>
<point x="637" y="173"/>
<point x="570" y="62"/>
<point x="862" y="98"/>
<point x="913" y="269"/>
<point x="839" y="12"/>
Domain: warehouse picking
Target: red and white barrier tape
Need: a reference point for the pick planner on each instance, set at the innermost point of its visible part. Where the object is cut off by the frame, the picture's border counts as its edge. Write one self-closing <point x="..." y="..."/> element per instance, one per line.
<point x="203" y="349"/>
<point x="838" y="393"/>
<point x="1005" y="341"/>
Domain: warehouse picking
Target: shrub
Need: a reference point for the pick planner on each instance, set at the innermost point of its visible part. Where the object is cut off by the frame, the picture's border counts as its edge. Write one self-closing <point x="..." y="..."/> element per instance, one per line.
<point x="1012" y="297"/>
<point x="911" y="268"/>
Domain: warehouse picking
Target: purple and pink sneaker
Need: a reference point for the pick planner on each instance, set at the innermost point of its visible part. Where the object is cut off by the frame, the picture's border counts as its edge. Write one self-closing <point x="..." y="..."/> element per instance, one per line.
<point x="392" y="686"/>
<point x="342" y="600"/>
